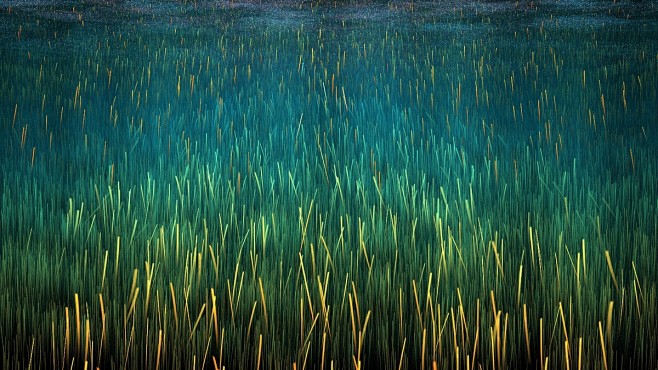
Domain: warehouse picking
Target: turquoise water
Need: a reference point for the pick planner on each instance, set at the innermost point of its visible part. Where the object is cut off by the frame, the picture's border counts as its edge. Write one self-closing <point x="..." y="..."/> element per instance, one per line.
<point x="133" y="123"/>
<point x="249" y="57"/>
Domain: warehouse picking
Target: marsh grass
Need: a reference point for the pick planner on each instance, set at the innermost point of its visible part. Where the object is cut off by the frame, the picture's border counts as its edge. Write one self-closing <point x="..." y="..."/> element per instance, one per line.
<point x="335" y="198"/>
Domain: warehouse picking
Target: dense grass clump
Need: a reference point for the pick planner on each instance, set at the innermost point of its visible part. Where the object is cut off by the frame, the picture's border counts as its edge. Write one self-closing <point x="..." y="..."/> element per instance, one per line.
<point x="332" y="190"/>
